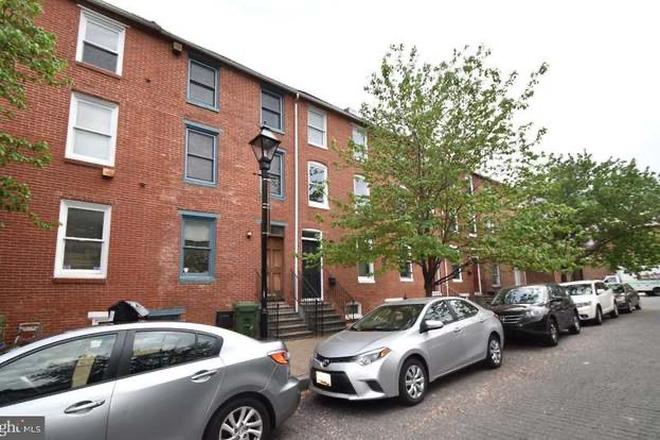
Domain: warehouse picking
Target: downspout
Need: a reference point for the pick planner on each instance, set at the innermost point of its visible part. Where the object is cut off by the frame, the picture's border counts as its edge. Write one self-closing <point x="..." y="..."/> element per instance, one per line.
<point x="447" y="280"/>
<point x="479" y="278"/>
<point x="295" y="202"/>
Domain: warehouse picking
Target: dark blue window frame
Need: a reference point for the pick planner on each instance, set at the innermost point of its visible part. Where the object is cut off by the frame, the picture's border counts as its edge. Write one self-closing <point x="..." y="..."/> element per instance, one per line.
<point x="216" y="91"/>
<point x="281" y="155"/>
<point x="208" y="131"/>
<point x="280" y="97"/>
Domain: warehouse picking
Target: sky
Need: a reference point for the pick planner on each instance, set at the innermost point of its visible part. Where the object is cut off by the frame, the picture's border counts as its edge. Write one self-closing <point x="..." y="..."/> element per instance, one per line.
<point x="600" y="94"/>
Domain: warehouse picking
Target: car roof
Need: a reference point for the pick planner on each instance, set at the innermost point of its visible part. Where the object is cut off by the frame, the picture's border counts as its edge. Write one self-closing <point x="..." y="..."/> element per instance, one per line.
<point x="576" y="283"/>
<point x="418" y="301"/>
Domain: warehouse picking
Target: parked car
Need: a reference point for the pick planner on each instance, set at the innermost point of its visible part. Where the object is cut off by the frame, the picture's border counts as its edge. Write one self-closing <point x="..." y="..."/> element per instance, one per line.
<point x="650" y="286"/>
<point x="399" y="347"/>
<point x="593" y="299"/>
<point x="625" y="297"/>
<point x="149" y="380"/>
<point x="539" y="310"/>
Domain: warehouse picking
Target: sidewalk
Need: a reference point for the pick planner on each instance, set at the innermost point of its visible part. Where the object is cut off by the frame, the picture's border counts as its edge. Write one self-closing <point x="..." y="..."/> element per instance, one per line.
<point x="301" y="351"/>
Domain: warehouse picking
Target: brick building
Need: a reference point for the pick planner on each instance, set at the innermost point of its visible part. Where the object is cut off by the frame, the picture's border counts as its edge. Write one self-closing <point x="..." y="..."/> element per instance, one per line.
<point x="156" y="188"/>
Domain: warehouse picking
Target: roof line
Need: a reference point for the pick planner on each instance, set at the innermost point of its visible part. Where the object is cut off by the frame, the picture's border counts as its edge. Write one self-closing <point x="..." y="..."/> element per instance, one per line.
<point x="238" y="66"/>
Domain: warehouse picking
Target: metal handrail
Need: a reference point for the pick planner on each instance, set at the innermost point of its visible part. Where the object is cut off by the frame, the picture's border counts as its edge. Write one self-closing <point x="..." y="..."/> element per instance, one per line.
<point x="340" y="298"/>
<point x="310" y="309"/>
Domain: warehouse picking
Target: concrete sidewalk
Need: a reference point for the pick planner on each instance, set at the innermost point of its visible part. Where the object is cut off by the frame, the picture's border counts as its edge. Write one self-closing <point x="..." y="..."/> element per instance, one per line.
<point x="301" y="351"/>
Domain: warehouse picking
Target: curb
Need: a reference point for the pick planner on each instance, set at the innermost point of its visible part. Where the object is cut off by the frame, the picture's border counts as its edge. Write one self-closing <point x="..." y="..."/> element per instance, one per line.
<point x="303" y="383"/>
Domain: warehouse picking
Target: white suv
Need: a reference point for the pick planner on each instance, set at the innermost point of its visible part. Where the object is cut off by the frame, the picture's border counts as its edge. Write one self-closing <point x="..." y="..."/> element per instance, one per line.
<point x="593" y="299"/>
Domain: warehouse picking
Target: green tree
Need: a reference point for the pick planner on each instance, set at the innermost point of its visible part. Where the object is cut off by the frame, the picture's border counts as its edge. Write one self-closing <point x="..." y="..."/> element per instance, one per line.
<point x="593" y="214"/>
<point x="27" y="56"/>
<point x="429" y="128"/>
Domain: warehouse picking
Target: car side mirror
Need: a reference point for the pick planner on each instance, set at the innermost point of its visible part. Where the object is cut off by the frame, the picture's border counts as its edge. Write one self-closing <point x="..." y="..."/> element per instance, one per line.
<point x="429" y="325"/>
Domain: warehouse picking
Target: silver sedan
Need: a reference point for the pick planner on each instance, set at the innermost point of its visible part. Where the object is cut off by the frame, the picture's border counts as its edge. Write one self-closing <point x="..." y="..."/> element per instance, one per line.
<point x="150" y="380"/>
<point x="399" y="347"/>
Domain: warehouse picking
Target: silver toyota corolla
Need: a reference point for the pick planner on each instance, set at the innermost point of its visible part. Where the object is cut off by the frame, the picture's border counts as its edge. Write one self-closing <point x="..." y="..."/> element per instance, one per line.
<point x="165" y="381"/>
<point x="399" y="347"/>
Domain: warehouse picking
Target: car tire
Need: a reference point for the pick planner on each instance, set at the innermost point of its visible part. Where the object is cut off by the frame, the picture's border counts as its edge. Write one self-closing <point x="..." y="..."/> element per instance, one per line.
<point x="639" y="305"/>
<point x="631" y="308"/>
<point x="576" y="328"/>
<point x="615" y="312"/>
<point x="655" y="292"/>
<point x="247" y="412"/>
<point x="494" y="355"/>
<point x="413" y="382"/>
<point x="598" y="320"/>
<point x="552" y="338"/>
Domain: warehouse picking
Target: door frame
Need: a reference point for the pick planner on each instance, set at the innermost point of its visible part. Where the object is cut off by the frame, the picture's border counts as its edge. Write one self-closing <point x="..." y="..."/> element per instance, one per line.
<point x="302" y="274"/>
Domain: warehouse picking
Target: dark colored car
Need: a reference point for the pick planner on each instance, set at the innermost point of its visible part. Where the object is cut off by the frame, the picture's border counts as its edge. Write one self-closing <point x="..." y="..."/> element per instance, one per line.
<point x="625" y="297"/>
<point x="539" y="310"/>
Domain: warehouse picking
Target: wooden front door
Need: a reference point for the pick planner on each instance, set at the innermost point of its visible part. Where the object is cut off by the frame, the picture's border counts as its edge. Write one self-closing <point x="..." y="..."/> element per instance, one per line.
<point x="275" y="265"/>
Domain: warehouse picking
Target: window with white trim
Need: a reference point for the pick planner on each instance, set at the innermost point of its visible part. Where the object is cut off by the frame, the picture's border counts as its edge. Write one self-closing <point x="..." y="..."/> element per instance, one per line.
<point x="457" y="271"/>
<point x="317" y="122"/>
<point x="361" y="190"/>
<point x="359" y="137"/>
<point x="496" y="274"/>
<point x="353" y="310"/>
<point x="519" y="277"/>
<point x="317" y="185"/>
<point x="100" y="41"/>
<point x="365" y="270"/>
<point x="92" y="135"/>
<point x="83" y="239"/>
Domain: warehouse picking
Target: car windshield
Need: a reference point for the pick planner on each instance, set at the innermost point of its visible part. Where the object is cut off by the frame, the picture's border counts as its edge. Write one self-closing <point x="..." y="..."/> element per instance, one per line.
<point x="520" y="295"/>
<point x="389" y="318"/>
<point x="579" y="289"/>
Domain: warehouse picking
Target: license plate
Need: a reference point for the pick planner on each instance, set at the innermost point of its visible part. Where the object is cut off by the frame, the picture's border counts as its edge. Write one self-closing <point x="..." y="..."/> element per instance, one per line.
<point x="323" y="379"/>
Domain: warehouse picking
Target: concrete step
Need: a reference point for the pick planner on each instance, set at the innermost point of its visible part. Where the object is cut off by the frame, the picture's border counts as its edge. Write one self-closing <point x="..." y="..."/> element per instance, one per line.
<point x="295" y="335"/>
<point x="287" y="328"/>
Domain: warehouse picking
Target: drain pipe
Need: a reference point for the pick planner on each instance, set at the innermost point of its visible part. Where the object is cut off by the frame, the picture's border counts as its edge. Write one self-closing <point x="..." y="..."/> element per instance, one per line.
<point x="295" y="202"/>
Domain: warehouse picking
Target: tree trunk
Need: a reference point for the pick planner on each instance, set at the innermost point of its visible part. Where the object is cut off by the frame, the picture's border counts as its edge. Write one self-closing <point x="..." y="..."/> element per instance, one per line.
<point x="429" y="269"/>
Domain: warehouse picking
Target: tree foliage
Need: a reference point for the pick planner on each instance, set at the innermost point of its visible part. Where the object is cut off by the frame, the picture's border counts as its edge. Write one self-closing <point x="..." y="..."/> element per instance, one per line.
<point x="429" y="128"/>
<point x="27" y="56"/>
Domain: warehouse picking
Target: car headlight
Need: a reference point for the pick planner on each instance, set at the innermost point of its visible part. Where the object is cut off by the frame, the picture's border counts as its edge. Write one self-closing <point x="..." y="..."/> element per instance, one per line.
<point x="369" y="357"/>
<point x="620" y="299"/>
<point x="535" y="312"/>
<point x="583" y="304"/>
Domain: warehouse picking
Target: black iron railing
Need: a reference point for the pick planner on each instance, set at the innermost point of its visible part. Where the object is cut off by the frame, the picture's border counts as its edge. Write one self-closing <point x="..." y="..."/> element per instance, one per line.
<point x="339" y="297"/>
<point x="309" y="304"/>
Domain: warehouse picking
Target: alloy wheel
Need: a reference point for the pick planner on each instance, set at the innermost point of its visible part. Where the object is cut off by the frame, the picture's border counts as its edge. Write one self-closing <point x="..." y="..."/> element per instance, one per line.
<point x="554" y="334"/>
<point x="495" y="351"/>
<point x="415" y="381"/>
<point x="243" y="423"/>
<point x="576" y="322"/>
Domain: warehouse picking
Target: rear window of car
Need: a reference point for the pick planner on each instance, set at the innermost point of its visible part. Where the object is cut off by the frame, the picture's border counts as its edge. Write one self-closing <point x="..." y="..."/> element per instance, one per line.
<point x="579" y="289"/>
<point x="521" y="295"/>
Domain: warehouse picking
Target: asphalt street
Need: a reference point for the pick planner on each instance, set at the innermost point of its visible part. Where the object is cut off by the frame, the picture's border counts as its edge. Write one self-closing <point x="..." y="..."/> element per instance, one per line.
<point x="601" y="384"/>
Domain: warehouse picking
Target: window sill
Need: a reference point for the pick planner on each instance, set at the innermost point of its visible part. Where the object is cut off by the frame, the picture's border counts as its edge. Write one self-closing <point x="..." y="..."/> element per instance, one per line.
<point x="322" y="147"/>
<point x="406" y="280"/>
<point x="325" y="207"/>
<point x="364" y="280"/>
<point x="275" y="130"/>
<point x="457" y="281"/>
<point x="74" y="280"/>
<point x="196" y="280"/>
<point x="204" y="106"/>
<point x="85" y="163"/>
<point x="98" y="69"/>
<point x="200" y="183"/>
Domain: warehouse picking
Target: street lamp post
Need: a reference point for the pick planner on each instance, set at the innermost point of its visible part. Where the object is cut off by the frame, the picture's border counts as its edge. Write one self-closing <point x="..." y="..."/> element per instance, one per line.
<point x="264" y="146"/>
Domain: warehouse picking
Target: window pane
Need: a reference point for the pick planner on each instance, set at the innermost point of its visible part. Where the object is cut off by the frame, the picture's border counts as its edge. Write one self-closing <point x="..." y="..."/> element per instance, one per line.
<point x="271" y="119"/>
<point x="270" y="102"/>
<point x="202" y="94"/>
<point x="92" y="145"/>
<point x="196" y="261"/>
<point x="463" y="309"/>
<point x="102" y="36"/>
<point x="93" y="117"/>
<point x="200" y="144"/>
<point x="99" y="57"/>
<point x="316" y="120"/>
<point x="83" y="223"/>
<point x="154" y="350"/>
<point x="201" y="169"/>
<point x="458" y="269"/>
<point x="202" y="74"/>
<point x="440" y="312"/>
<point x="197" y="233"/>
<point x="364" y="270"/>
<point x="406" y="270"/>
<point x="60" y="368"/>
<point x="205" y="346"/>
<point x="82" y="255"/>
<point x="361" y="187"/>
<point x="316" y="174"/>
<point x="358" y="136"/>
<point x="316" y="136"/>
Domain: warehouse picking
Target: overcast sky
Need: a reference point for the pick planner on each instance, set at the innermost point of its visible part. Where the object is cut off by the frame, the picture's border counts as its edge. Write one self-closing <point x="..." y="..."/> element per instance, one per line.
<point x="601" y="92"/>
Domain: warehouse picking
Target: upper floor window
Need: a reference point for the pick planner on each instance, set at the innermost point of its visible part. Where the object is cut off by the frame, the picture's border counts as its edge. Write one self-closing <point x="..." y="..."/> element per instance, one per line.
<point x="317" y="122"/>
<point x="198" y="247"/>
<point x="277" y="175"/>
<point x="82" y="240"/>
<point x="201" y="155"/>
<point x="365" y="269"/>
<point x="406" y="268"/>
<point x="473" y="218"/>
<point x="92" y="130"/>
<point x="202" y="84"/>
<point x="456" y="271"/>
<point x="360" y="140"/>
<point x="317" y="181"/>
<point x="100" y="41"/>
<point x="496" y="275"/>
<point x="361" y="190"/>
<point x="272" y="110"/>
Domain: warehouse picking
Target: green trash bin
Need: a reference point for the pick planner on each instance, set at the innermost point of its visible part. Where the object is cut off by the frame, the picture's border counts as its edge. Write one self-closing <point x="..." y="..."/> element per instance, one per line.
<point x="247" y="318"/>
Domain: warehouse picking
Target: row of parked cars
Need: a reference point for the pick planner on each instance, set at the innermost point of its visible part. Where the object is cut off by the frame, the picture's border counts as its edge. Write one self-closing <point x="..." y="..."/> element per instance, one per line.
<point x="180" y="381"/>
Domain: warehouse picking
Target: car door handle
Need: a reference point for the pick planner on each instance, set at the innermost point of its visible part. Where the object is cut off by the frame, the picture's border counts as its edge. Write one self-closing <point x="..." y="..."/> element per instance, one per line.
<point x="202" y="376"/>
<point x="85" y="405"/>
<point x="458" y="330"/>
<point x="482" y="320"/>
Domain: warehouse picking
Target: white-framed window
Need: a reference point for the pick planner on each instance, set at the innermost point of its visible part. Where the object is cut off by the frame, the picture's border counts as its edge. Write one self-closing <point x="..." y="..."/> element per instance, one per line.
<point x="457" y="274"/>
<point x="317" y="185"/>
<point x="473" y="218"/>
<point x="361" y="190"/>
<point x="406" y="272"/>
<point x="317" y="132"/>
<point x="359" y="137"/>
<point x="519" y="278"/>
<point x="92" y="135"/>
<point x="353" y="310"/>
<point x="100" y="41"/>
<point x="83" y="240"/>
<point x="365" y="270"/>
<point x="496" y="275"/>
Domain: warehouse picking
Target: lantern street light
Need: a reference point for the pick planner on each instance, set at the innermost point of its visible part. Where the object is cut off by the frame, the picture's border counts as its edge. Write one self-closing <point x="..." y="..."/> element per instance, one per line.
<point x="264" y="146"/>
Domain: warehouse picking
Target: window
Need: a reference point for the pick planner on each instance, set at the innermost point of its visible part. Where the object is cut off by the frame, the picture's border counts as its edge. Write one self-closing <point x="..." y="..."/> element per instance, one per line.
<point x="55" y="369"/>
<point x="456" y="271"/>
<point x="100" y="41"/>
<point x="406" y="269"/>
<point x="198" y="243"/>
<point x="160" y="349"/>
<point x="463" y="309"/>
<point x="317" y="181"/>
<point x="359" y="143"/>
<point x="277" y="176"/>
<point x="272" y="112"/>
<point x="316" y="128"/>
<point x="92" y="134"/>
<point x="518" y="277"/>
<point x="202" y="84"/>
<point x="353" y="310"/>
<point x="366" y="270"/>
<point x="473" y="219"/>
<point x="82" y="240"/>
<point x="201" y="155"/>
<point x="360" y="190"/>
<point x="440" y="311"/>
<point x="496" y="275"/>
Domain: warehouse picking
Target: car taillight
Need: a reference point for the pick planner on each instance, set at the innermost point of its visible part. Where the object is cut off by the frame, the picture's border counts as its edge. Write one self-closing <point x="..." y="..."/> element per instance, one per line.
<point x="281" y="357"/>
